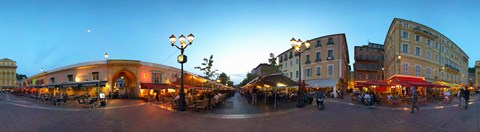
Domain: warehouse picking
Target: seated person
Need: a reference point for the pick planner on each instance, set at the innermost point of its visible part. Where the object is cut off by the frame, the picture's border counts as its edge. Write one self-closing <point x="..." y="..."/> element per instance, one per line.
<point x="389" y="96"/>
<point x="177" y="97"/>
<point x="217" y="99"/>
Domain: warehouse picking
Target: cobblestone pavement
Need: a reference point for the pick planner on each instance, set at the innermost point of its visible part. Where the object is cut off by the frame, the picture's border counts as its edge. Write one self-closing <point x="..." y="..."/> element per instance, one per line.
<point x="336" y="117"/>
<point x="237" y="104"/>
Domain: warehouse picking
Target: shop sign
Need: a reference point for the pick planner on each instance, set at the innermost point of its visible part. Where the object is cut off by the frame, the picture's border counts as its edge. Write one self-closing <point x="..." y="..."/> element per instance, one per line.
<point x="89" y="85"/>
<point x="70" y="85"/>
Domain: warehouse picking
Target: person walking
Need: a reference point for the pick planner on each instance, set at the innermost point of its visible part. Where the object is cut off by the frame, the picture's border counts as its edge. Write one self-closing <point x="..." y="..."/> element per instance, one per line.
<point x="374" y="99"/>
<point x="414" y="98"/>
<point x="254" y="97"/>
<point x="460" y="98"/>
<point x="466" y="95"/>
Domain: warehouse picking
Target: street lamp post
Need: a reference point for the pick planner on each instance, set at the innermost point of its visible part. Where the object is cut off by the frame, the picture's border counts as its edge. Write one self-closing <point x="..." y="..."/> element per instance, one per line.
<point x="296" y="44"/>
<point x="108" y="76"/>
<point x="182" y="59"/>
<point x="399" y="64"/>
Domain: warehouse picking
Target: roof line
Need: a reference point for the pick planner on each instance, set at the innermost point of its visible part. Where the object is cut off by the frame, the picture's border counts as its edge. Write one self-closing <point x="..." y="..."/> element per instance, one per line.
<point x="433" y="30"/>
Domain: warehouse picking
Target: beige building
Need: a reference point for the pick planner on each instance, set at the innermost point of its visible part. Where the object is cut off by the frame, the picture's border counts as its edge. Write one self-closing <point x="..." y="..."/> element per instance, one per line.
<point x="288" y="62"/>
<point x="477" y="74"/>
<point x="124" y="78"/>
<point x="8" y="72"/>
<point x="324" y="65"/>
<point x="417" y="50"/>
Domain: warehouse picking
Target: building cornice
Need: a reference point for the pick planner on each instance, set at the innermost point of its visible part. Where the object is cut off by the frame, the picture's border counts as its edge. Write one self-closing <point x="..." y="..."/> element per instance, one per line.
<point x="399" y="19"/>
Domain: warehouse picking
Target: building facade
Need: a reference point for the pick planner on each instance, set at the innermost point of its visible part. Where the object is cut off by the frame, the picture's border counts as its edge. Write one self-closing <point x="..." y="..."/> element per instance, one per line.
<point x="369" y="62"/>
<point x="471" y="76"/>
<point x="324" y="65"/>
<point x="127" y="78"/>
<point x="263" y="69"/>
<point x="8" y="73"/>
<point x="288" y="62"/>
<point x="477" y="75"/>
<point x="417" y="50"/>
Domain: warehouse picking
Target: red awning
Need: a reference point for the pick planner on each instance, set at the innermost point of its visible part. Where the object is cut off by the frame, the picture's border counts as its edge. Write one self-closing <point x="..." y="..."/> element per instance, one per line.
<point x="409" y="81"/>
<point x="375" y="82"/>
<point x="156" y="86"/>
<point x="370" y="83"/>
<point x="361" y="85"/>
<point x="381" y="89"/>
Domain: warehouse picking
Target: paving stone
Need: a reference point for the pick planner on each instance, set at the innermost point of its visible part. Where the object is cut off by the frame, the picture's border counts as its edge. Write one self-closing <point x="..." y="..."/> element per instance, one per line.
<point x="336" y="117"/>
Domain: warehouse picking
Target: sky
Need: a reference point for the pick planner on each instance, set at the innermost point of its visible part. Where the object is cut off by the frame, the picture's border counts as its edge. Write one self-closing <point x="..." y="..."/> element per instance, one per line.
<point x="239" y="34"/>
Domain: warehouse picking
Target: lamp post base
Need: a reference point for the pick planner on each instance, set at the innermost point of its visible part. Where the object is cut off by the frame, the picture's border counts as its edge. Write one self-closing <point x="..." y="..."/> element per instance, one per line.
<point x="300" y="103"/>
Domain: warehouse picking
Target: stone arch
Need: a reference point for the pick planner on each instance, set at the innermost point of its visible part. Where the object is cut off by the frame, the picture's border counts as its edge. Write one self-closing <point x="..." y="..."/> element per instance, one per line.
<point x="130" y="79"/>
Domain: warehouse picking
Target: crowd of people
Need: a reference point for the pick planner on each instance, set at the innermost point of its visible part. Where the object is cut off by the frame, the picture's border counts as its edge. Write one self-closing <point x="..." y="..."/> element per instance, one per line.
<point x="463" y="98"/>
<point x="213" y="97"/>
<point x="53" y="98"/>
<point x="414" y="97"/>
<point x="254" y="96"/>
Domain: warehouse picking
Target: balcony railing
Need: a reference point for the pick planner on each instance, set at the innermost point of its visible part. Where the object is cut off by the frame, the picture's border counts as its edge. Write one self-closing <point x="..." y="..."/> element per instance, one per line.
<point x="330" y="43"/>
<point x="330" y="58"/>
<point x="425" y="32"/>
<point x="451" y="67"/>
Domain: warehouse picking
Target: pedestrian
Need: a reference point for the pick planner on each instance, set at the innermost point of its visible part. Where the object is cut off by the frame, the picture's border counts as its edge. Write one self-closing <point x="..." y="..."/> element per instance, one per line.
<point x="249" y="98"/>
<point x="466" y="95"/>
<point x="414" y="98"/>
<point x="341" y="95"/>
<point x="460" y="98"/>
<point x="254" y="102"/>
<point x="374" y="99"/>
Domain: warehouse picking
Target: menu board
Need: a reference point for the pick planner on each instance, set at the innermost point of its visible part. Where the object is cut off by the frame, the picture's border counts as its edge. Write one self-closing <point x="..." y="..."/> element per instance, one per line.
<point x="446" y="93"/>
<point x="102" y="95"/>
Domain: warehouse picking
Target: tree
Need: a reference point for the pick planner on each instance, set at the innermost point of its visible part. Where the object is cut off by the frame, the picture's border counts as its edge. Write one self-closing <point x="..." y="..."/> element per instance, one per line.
<point x="21" y="76"/>
<point x="224" y="79"/>
<point x="230" y="83"/>
<point x="273" y="67"/>
<point x="206" y="67"/>
<point x="249" y="77"/>
<point x="471" y="70"/>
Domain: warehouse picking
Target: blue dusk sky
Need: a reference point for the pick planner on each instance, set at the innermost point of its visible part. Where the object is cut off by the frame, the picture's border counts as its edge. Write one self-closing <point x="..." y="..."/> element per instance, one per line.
<point x="240" y="34"/>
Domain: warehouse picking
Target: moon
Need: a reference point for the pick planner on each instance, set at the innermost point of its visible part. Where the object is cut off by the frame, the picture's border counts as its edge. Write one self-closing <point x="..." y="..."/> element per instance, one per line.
<point x="88" y="30"/>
